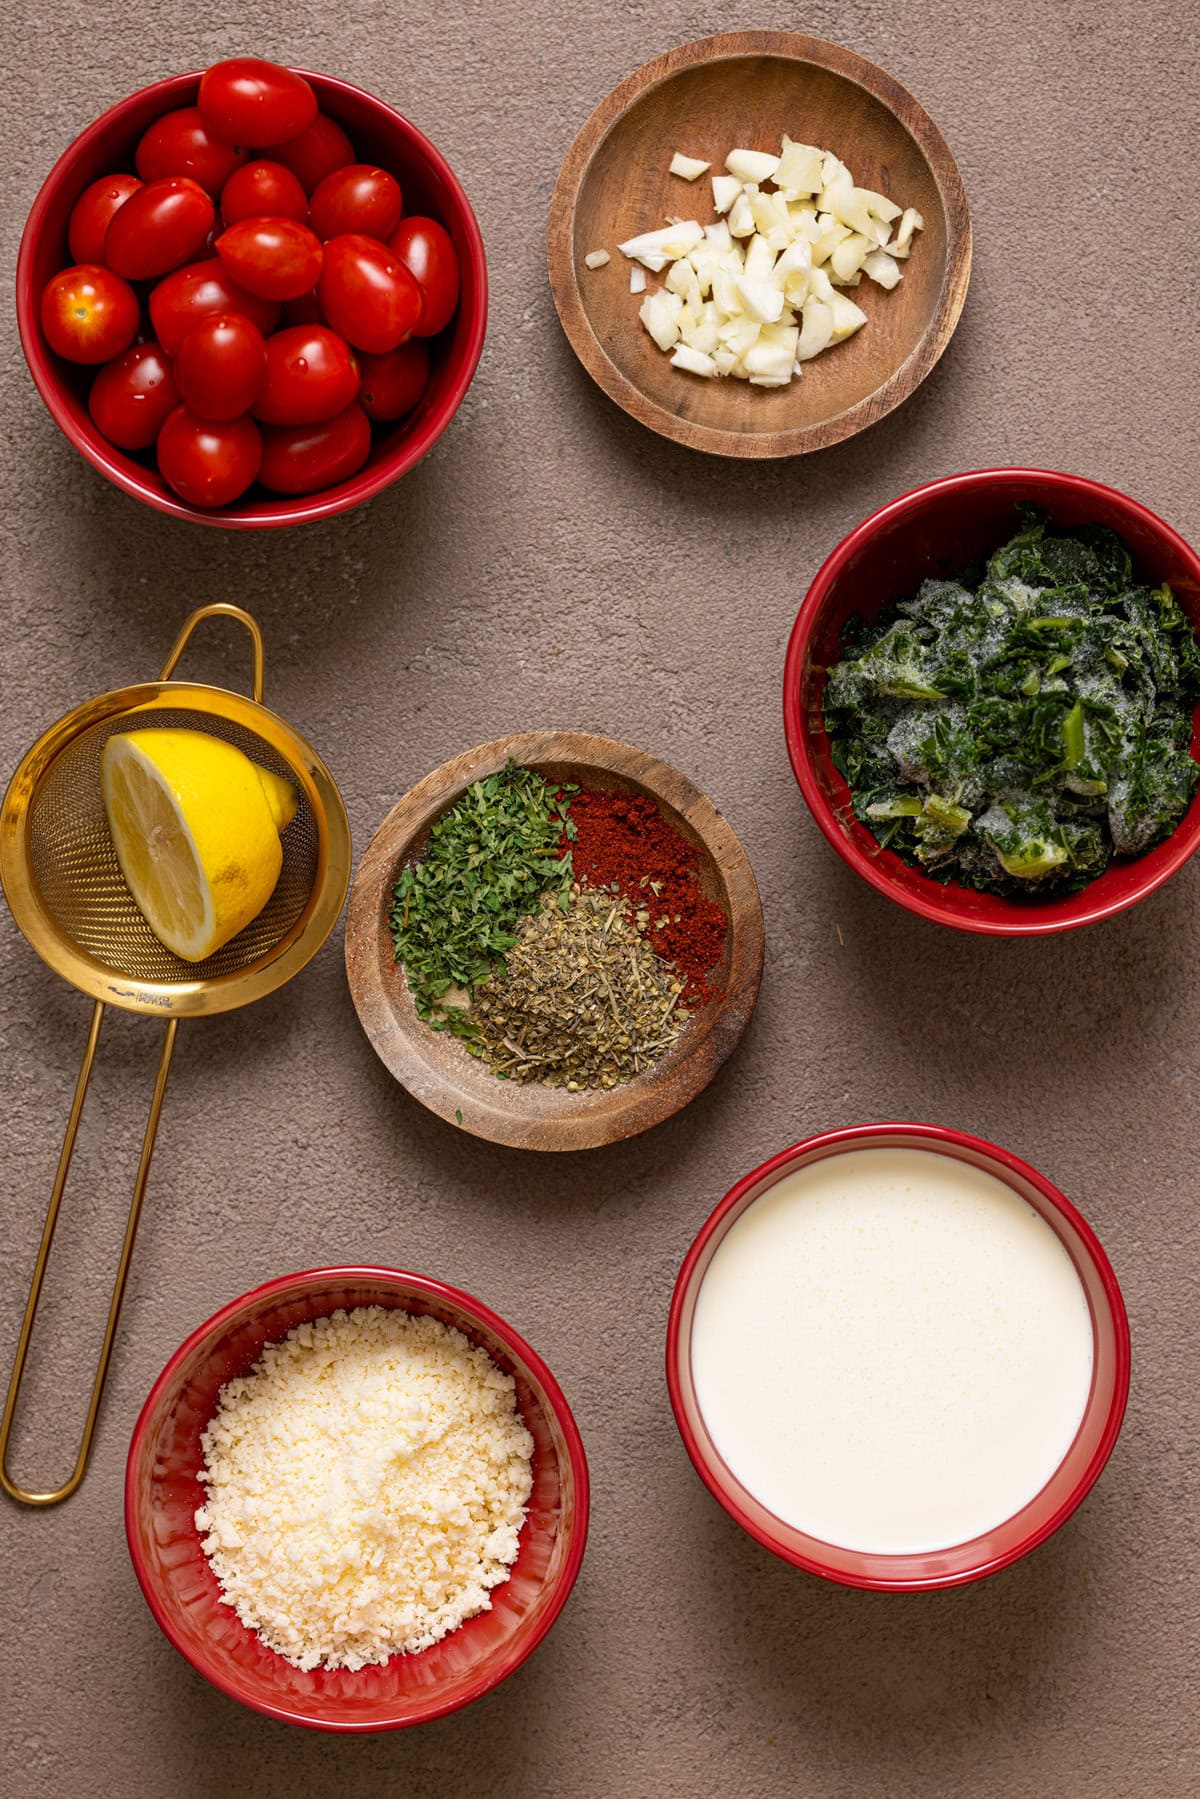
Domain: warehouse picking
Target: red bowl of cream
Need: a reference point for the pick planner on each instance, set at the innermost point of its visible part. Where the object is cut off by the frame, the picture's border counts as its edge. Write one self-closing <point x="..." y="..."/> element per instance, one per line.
<point x="163" y="1492"/>
<point x="935" y="531"/>
<point x="867" y="1442"/>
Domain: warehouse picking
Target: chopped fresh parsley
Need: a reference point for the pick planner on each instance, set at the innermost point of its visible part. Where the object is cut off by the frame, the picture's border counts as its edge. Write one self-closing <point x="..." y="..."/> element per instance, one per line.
<point x="1015" y="734"/>
<point x="490" y="858"/>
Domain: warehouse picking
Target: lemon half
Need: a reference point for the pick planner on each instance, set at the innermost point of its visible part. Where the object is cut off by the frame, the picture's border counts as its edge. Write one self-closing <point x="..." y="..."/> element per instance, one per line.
<point x="196" y="826"/>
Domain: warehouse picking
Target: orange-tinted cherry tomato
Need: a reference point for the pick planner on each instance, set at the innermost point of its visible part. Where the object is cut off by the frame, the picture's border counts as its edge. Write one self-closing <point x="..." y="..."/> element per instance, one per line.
<point x="92" y="213"/>
<point x="317" y="151"/>
<point x="248" y="101"/>
<point x="263" y="190"/>
<point x="208" y="462"/>
<point x="181" y="144"/>
<point x="220" y="366"/>
<point x="158" y="228"/>
<point x="89" y="314"/>
<point x="359" y="198"/>
<point x="394" y="382"/>
<point x="278" y="259"/>
<point x="367" y="294"/>
<point x="132" y="396"/>
<point x="302" y="458"/>
<point x="311" y="375"/>
<point x="425" y="249"/>
<point x="194" y="293"/>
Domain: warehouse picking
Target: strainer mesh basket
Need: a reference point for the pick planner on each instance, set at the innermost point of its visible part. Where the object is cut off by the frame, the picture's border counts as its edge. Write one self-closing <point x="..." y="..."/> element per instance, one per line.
<point x="75" y="866"/>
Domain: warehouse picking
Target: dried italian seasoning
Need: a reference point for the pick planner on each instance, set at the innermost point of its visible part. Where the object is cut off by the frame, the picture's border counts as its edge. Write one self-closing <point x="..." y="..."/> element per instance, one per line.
<point x="582" y="1001"/>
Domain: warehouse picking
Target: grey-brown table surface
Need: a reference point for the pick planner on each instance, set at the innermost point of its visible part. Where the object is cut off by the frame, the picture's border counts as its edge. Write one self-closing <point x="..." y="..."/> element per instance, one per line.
<point x="551" y="563"/>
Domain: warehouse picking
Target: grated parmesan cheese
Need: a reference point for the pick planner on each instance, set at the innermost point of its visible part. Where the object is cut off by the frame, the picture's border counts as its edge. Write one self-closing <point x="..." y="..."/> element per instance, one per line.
<point x="366" y="1486"/>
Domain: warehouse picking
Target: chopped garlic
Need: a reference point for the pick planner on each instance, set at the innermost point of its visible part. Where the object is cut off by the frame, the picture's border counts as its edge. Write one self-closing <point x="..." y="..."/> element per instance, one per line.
<point x="661" y="319"/>
<point x="881" y="268"/>
<point x="751" y="165"/>
<point x="847" y="317"/>
<point x="760" y="300"/>
<point x="762" y="289"/>
<point x="816" y="330"/>
<point x="694" y="361"/>
<point x="741" y="219"/>
<point x="910" y="221"/>
<point x="655" y="249"/>
<point x="800" y="166"/>
<point x="596" y="259"/>
<point x="726" y="189"/>
<point x="848" y="256"/>
<point x="688" y="166"/>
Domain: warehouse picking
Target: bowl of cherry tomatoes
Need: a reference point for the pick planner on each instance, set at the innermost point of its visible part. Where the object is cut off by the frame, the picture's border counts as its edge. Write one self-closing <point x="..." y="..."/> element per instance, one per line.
<point x="252" y="297"/>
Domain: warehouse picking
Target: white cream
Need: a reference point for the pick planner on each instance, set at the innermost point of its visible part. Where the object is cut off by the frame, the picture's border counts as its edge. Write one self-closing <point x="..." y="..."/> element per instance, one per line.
<point x="891" y="1350"/>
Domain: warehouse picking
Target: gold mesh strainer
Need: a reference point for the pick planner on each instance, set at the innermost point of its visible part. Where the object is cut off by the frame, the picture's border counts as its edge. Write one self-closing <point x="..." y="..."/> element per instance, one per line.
<point x="68" y="897"/>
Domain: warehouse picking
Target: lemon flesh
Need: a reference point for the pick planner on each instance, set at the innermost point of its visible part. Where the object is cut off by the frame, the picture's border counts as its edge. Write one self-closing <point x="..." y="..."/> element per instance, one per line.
<point x="195" y="825"/>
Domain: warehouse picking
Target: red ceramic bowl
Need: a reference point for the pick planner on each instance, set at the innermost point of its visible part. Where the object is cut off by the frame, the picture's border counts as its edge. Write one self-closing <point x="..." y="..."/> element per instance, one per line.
<point x="1076" y="1473"/>
<point x="162" y="1492"/>
<point x="430" y="187"/>
<point x="935" y="531"/>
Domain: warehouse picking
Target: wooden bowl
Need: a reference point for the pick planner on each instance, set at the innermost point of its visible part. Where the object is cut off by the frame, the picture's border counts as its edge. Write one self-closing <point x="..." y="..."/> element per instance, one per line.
<point x="436" y="1068"/>
<point x="746" y="89"/>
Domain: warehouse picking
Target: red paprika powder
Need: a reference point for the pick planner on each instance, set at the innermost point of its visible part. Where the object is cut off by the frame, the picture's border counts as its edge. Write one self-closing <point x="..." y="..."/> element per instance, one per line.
<point x="622" y="840"/>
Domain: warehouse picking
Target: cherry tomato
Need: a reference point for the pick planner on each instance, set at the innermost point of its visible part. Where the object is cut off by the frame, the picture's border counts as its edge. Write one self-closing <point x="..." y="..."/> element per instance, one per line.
<point x="91" y="214"/>
<point x="220" y="366"/>
<point x="367" y="294"/>
<point x="263" y="190"/>
<point x="180" y="144"/>
<point x="278" y="259"/>
<point x="303" y="458"/>
<point x="316" y="152"/>
<point x="89" y="314"/>
<point x="249" y="101"/>
<point x="132" y="396"/>
<point x="158" y="228"/>
<point x="425" y="249"/>
<point x="311" y="374"/>
<point x="194" y="293"/>
<point x="394" y="382"/>
<point x="208" y="462"/>
<point x="360" y="198"/>
<point x="304" y="311"/>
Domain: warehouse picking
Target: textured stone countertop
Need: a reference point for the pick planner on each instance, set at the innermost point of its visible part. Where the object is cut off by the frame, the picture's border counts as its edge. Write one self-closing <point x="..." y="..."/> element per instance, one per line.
<point x="553" y="563"/>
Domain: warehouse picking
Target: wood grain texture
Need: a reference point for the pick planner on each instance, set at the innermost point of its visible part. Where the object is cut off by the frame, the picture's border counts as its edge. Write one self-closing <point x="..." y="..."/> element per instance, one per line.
<point x="435" y="1067"/>
<point x="705" y="98"/>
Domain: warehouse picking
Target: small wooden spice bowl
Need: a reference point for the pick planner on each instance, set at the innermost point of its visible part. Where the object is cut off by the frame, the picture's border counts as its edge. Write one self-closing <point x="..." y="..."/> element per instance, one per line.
<point x="435" y="1067"/>
<point x="745" y="89"/>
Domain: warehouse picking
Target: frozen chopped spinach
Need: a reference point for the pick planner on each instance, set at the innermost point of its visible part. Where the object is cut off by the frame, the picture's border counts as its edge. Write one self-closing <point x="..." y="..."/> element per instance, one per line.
<point x="1016" y="732"/>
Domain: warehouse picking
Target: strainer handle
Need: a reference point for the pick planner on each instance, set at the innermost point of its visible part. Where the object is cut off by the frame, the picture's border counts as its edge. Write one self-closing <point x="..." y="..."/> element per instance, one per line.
<point x="10" y="1486"/>
<point x="219" y="609"/>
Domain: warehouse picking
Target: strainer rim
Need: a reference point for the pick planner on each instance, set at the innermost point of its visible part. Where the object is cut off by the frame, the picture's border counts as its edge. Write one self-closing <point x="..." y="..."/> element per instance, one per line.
<point x="197" y="997"/>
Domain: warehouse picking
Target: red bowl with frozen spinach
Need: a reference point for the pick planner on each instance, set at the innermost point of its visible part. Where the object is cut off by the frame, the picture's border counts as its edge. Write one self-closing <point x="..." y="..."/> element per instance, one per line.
<point x="936" y="531"/>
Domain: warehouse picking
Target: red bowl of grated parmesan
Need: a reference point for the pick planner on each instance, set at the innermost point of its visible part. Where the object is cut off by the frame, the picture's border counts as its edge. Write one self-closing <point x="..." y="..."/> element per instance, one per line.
<point x="219" y="1393"/>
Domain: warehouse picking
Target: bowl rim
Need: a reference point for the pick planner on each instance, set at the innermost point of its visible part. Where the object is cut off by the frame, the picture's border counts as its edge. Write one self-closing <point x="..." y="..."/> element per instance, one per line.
<point x="939" y="904"/>
<point x="941" y="1139"/>
<point x="313" y="1279"/>
<point x="260" y="514"/>
<point x="608" y="1115"/>
<point x="904" y="379"/>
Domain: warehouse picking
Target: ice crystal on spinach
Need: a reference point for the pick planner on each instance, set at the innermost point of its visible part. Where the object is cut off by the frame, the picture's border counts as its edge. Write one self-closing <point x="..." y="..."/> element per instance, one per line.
<point x="1016" y="732"/>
